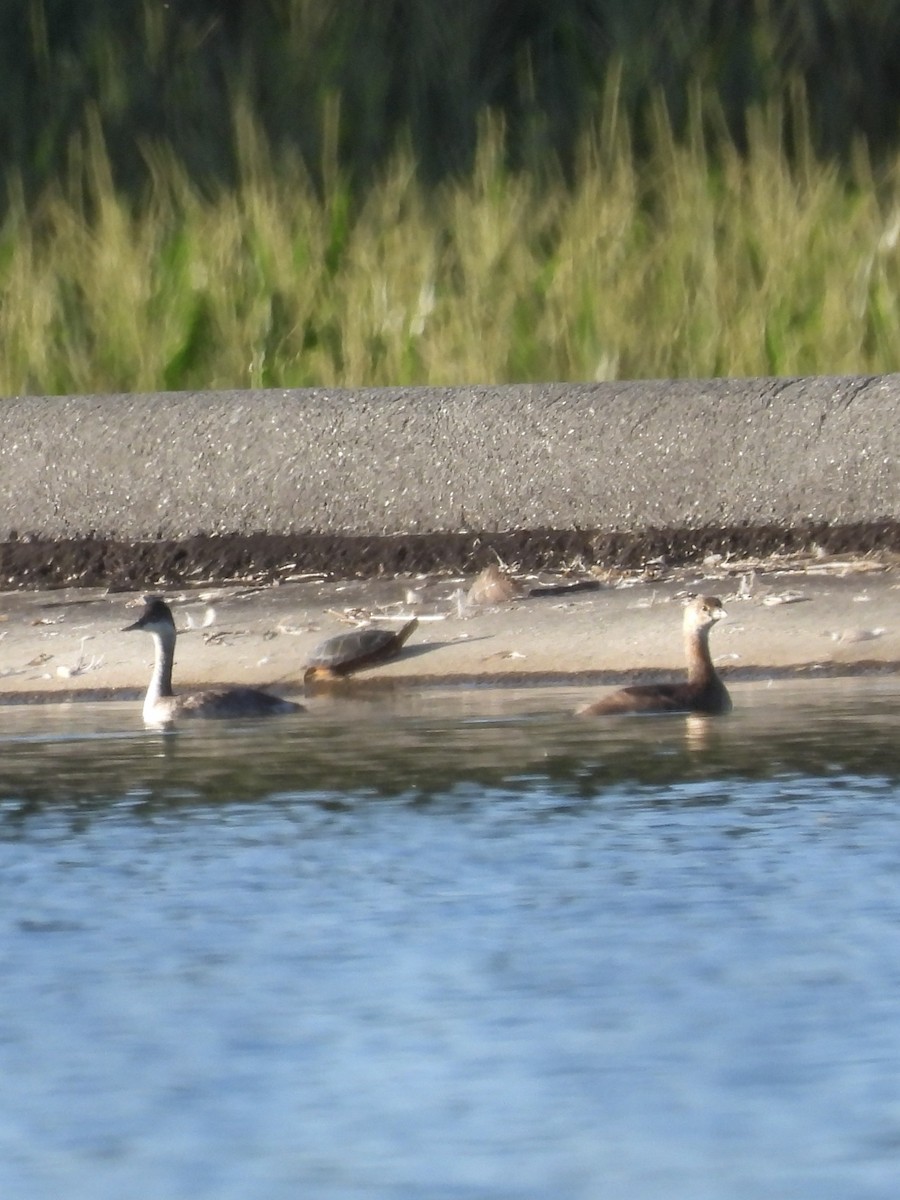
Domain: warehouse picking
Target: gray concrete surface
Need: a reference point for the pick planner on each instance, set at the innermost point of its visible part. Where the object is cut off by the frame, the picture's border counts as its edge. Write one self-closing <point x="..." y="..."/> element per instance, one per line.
<point x="614" y="456"/>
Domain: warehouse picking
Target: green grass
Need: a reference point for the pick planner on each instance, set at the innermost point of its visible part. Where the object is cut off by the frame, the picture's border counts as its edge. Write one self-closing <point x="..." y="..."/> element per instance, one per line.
<point x="692" y="260"/>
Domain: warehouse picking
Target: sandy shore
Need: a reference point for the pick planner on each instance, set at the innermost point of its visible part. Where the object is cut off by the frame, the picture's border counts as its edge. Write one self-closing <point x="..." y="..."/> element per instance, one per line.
<point x="802" y="616"/>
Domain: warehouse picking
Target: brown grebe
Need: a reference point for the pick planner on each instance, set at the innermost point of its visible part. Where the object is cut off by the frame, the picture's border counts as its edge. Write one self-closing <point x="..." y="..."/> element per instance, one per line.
<point x="703" y="692"/>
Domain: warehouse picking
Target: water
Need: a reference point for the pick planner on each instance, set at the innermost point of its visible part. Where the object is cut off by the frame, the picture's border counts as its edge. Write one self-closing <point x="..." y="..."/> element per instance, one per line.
<point x="453" y="947"/>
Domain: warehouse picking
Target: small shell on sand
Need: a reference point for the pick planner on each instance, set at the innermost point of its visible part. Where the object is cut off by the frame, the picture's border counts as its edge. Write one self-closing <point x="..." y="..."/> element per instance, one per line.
<point x="857" y="635"/>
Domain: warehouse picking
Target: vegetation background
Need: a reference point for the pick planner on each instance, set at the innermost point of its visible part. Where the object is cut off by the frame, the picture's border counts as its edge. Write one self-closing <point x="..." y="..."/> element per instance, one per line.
<point x="232" y="193"/>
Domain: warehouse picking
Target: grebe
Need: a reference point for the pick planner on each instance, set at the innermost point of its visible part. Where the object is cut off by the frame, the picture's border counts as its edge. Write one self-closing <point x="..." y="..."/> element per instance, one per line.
<point x="162" y="706"/>
<point x="704" y="691"/>
<point x="349" y="652"/>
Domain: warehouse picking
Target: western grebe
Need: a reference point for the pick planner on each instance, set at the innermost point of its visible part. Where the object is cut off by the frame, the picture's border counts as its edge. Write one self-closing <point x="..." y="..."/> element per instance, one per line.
<point x="162" y="706"/>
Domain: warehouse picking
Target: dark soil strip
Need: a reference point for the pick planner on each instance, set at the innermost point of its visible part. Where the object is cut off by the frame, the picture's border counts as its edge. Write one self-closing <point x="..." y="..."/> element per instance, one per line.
<point x="31" y="562"/>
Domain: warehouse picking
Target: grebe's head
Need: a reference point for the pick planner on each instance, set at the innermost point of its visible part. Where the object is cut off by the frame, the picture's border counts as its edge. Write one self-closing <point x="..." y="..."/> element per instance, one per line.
<point x="702" y="613"/>
<point x="156" y="617"/>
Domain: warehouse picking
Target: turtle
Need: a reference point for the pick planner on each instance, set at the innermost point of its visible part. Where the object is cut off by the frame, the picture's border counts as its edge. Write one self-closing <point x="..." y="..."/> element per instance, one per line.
<point x="348" y="652"/>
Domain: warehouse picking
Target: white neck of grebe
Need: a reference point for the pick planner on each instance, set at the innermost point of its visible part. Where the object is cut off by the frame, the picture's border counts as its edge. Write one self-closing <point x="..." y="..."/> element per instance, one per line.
<point x="160" y="687"/>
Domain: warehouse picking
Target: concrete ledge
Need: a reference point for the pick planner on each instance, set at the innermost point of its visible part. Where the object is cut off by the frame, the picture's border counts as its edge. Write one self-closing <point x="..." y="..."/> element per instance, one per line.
<point x="683" y="455"/>
<point x="169" y="490"/>
<point x="149" y="492"/>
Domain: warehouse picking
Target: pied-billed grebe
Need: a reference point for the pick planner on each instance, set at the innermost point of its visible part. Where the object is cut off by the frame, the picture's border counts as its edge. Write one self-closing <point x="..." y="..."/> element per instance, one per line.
<point x="162" y="707"/>
<point x="704" y="691"/>
<point x="348" y="652"/>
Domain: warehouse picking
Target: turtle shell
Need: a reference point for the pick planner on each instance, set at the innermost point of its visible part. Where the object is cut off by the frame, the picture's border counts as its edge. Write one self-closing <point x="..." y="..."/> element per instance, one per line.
<point x="347" y="652"/>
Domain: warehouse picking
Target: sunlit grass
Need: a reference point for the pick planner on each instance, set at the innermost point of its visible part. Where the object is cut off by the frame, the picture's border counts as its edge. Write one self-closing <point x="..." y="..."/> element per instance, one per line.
<point x="692" y="261"/>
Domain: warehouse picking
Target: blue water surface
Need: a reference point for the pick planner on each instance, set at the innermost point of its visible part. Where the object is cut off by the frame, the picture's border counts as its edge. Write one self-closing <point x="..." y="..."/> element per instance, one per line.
<point x="453" y="947"/>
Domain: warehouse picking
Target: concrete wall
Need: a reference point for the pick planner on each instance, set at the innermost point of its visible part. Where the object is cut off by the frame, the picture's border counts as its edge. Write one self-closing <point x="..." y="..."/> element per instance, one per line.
<point x="612" y="456"/>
